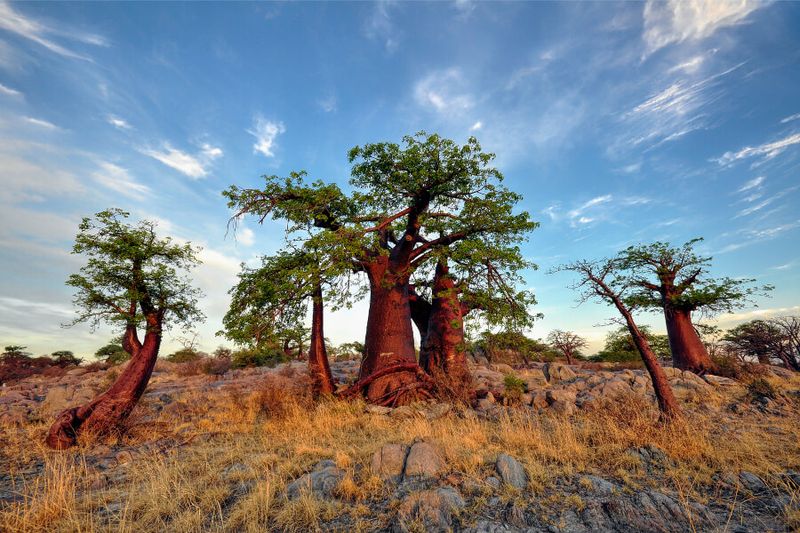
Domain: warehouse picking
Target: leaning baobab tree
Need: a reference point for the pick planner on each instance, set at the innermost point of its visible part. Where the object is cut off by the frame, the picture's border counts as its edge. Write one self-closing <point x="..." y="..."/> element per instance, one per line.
<point x="409" y="203"/>
<point x="566" y="342"/>
<point x="603" y="280"/>
<point x="132" y="279"/>
<point x="674" y="280"/>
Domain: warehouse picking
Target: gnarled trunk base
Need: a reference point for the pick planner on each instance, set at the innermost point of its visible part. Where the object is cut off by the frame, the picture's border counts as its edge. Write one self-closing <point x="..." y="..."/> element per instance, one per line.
<point x="110" y="409"/>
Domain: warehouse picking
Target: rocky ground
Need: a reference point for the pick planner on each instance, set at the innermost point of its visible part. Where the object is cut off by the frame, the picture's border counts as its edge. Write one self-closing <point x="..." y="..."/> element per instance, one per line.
<point x="418" y="477"/>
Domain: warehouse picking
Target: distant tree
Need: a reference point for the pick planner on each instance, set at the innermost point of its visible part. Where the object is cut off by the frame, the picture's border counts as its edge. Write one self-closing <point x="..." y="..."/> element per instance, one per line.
<point x="15" y="351"/>
<point x="184" y="355"/>
<point x="604" y="280"/>
<point x="112" y="353"/>
<point x="759" y="339"/>
<point x="620" y="346"/>
<point x="790" y="326"/>
<point x="514" y="342"/>
<point x="132" y="278"/>
<point x="64" y="358"/>
<point x="222" y="352"/>
<point x="567" y="342"/>
<point x="674" y="280"/>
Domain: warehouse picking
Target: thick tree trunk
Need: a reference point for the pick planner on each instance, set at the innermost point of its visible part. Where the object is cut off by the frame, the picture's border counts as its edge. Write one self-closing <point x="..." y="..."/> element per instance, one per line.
<point x="688" y="351"/>
<point x="443" y="353"/>
<point x="420" y="314"/>
<point x="318" y="367"/>
<point x="111" y="408"/>
<point x="389" y="338"/>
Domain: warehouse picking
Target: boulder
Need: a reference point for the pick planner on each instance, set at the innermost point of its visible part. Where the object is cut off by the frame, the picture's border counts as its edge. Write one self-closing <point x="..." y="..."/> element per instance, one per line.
<point x="555" y="372"/>
<point x="424" y="460"/>
<point x="511" y="471"/>
<point x="388" y="462"/>
<point x="433" y="510"/>
<point x="560" y="395"/>
<point x="321" y="482"/>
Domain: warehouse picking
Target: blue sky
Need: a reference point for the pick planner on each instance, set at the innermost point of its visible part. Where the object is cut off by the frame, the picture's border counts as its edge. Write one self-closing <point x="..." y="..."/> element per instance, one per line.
<point x="619" y="123"/>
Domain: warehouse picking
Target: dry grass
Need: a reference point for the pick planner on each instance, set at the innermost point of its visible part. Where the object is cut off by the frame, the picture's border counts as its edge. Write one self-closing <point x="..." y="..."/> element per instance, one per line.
<point x="232" y="455"/>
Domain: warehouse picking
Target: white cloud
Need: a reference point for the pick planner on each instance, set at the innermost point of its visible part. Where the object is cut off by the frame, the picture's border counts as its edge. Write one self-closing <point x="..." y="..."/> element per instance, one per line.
<point x="194" y="166"/>
<point x="752" y="184"/>
<point x="20" y="306"/>
<point x="731" y="319"/>
<point x="39" y="33"/>
<point x="118" y="179"/>
<point x="379" y="26"/>
<point x="475" y="127"/>
<point x="245" y="236"/>
<point x="118" y="123"/>
<point x="8" y="91"/>
<point x="443" y="91"/>
<point x="41" y="123"/>
<point x="790" y="118"/>
<point x="328" y="104"/>
<point x="675" y="21"/>
<point x="265" y="132"/>
<point x="767" y="150"/>
<point x="689" y="66"/>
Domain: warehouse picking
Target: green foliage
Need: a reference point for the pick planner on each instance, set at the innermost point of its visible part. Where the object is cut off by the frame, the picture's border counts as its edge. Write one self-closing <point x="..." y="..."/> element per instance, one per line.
<point x="65" y="358"/>
<point x="131" y="272"/>
<point x="514" y="388"/>
<point x="493" y="344"/>
<point x="15" y="351"/>
<point x="620" y="347"/>
<point x="426" y="200"/>
<point x="184" y="355"/>
<point x="261" y="356"/>
<point x="677" y="277"/>
<point x="113" y="354"/>
<point x="348" y="350"/>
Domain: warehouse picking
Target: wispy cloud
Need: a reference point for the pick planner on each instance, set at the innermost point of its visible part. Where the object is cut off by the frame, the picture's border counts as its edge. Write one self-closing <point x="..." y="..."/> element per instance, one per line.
<point x="8" y="91"/>
<point x="790" y="118"/>
<point x="672" y="112"/>
<point x="767" y="150"/>
<point x="265" y="132"/>
<point x="119" y="179"/>
<point x="752" y="184"/>
<point x="443" y="91"/>
<point x="195" y="166"/>
<point x="118" y="123"/>
<point x="380" y="27"/>
<point x="41" y="33"/>
<point x="475" y="127"/>
<point x="328" y="104"/>
<point x="41" y="123"/>
<point x="675" y="21"/>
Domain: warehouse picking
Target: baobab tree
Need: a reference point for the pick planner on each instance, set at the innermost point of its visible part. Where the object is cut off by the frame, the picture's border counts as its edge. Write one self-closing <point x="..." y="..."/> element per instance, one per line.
<point x="409" y="203"/>
<point x="567" y="342"/>
<point x="790" y="327"/>
<point x="133" y="279"/>
<point x="675" y="281"/>
<point x="605" y="281"/>
<point x="270" y="301"/>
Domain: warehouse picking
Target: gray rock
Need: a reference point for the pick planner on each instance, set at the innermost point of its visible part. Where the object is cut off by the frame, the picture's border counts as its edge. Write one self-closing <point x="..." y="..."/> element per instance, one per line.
<point x="563" y="407"/>
<point x="388" y="462"/>
<point x="752" y="482"/>
<point x="555" y="372"/>
<point x="434" y="510"/>
<point x="560" y="395"/>
<point x="321" y="482"/>
<point x="424" y="460"/>
<point x="511" y="471"/>
<point x="493" y="482"/>
<point x="599" y="486"/>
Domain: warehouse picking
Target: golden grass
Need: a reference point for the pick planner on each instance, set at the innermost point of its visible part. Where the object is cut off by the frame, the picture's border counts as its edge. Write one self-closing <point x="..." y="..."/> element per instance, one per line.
<point x="231" y="458"/>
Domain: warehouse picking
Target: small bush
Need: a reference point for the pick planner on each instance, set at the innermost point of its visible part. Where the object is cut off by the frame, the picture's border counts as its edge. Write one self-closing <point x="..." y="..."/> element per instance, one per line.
<point x="761" y="388"/>
<point x="184" y="355"/>
<point x="514" y="388"/>
<point x="65" y="358"/>
<point x="253" y="357"/>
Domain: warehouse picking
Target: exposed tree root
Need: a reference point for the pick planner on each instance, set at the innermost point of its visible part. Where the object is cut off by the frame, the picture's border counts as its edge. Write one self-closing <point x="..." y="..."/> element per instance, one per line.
<point x="420" y="388"/>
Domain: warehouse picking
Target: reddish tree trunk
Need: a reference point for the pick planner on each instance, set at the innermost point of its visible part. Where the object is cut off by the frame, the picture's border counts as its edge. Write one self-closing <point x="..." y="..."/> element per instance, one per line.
<point x="111" y="408"/>
<point x="443" y="350"/>
<point x="420" y="314"/>
<point x="318" y="367"/>
<point x="688" y="351"/>
<point x="389" y="338"/>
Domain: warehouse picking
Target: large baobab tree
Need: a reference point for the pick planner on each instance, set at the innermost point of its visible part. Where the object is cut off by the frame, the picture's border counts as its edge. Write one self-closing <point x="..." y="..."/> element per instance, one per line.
<point x="409" y="203"/>
<point x="566" y="342"/>
<point x="133" y="279"/>
<point x="603" y="280"/>
<point x="675" y="281"/>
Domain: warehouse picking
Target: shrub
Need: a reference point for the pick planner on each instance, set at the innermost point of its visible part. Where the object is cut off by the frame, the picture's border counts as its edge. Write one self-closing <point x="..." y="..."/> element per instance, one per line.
<point x="113" y="354"/>
<point x="184" y="355"/>
<point x="253" y="357"/>
<point x="761" y="388"/>
<point x="514" y="388"/>
<point x="64" y="358"/>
